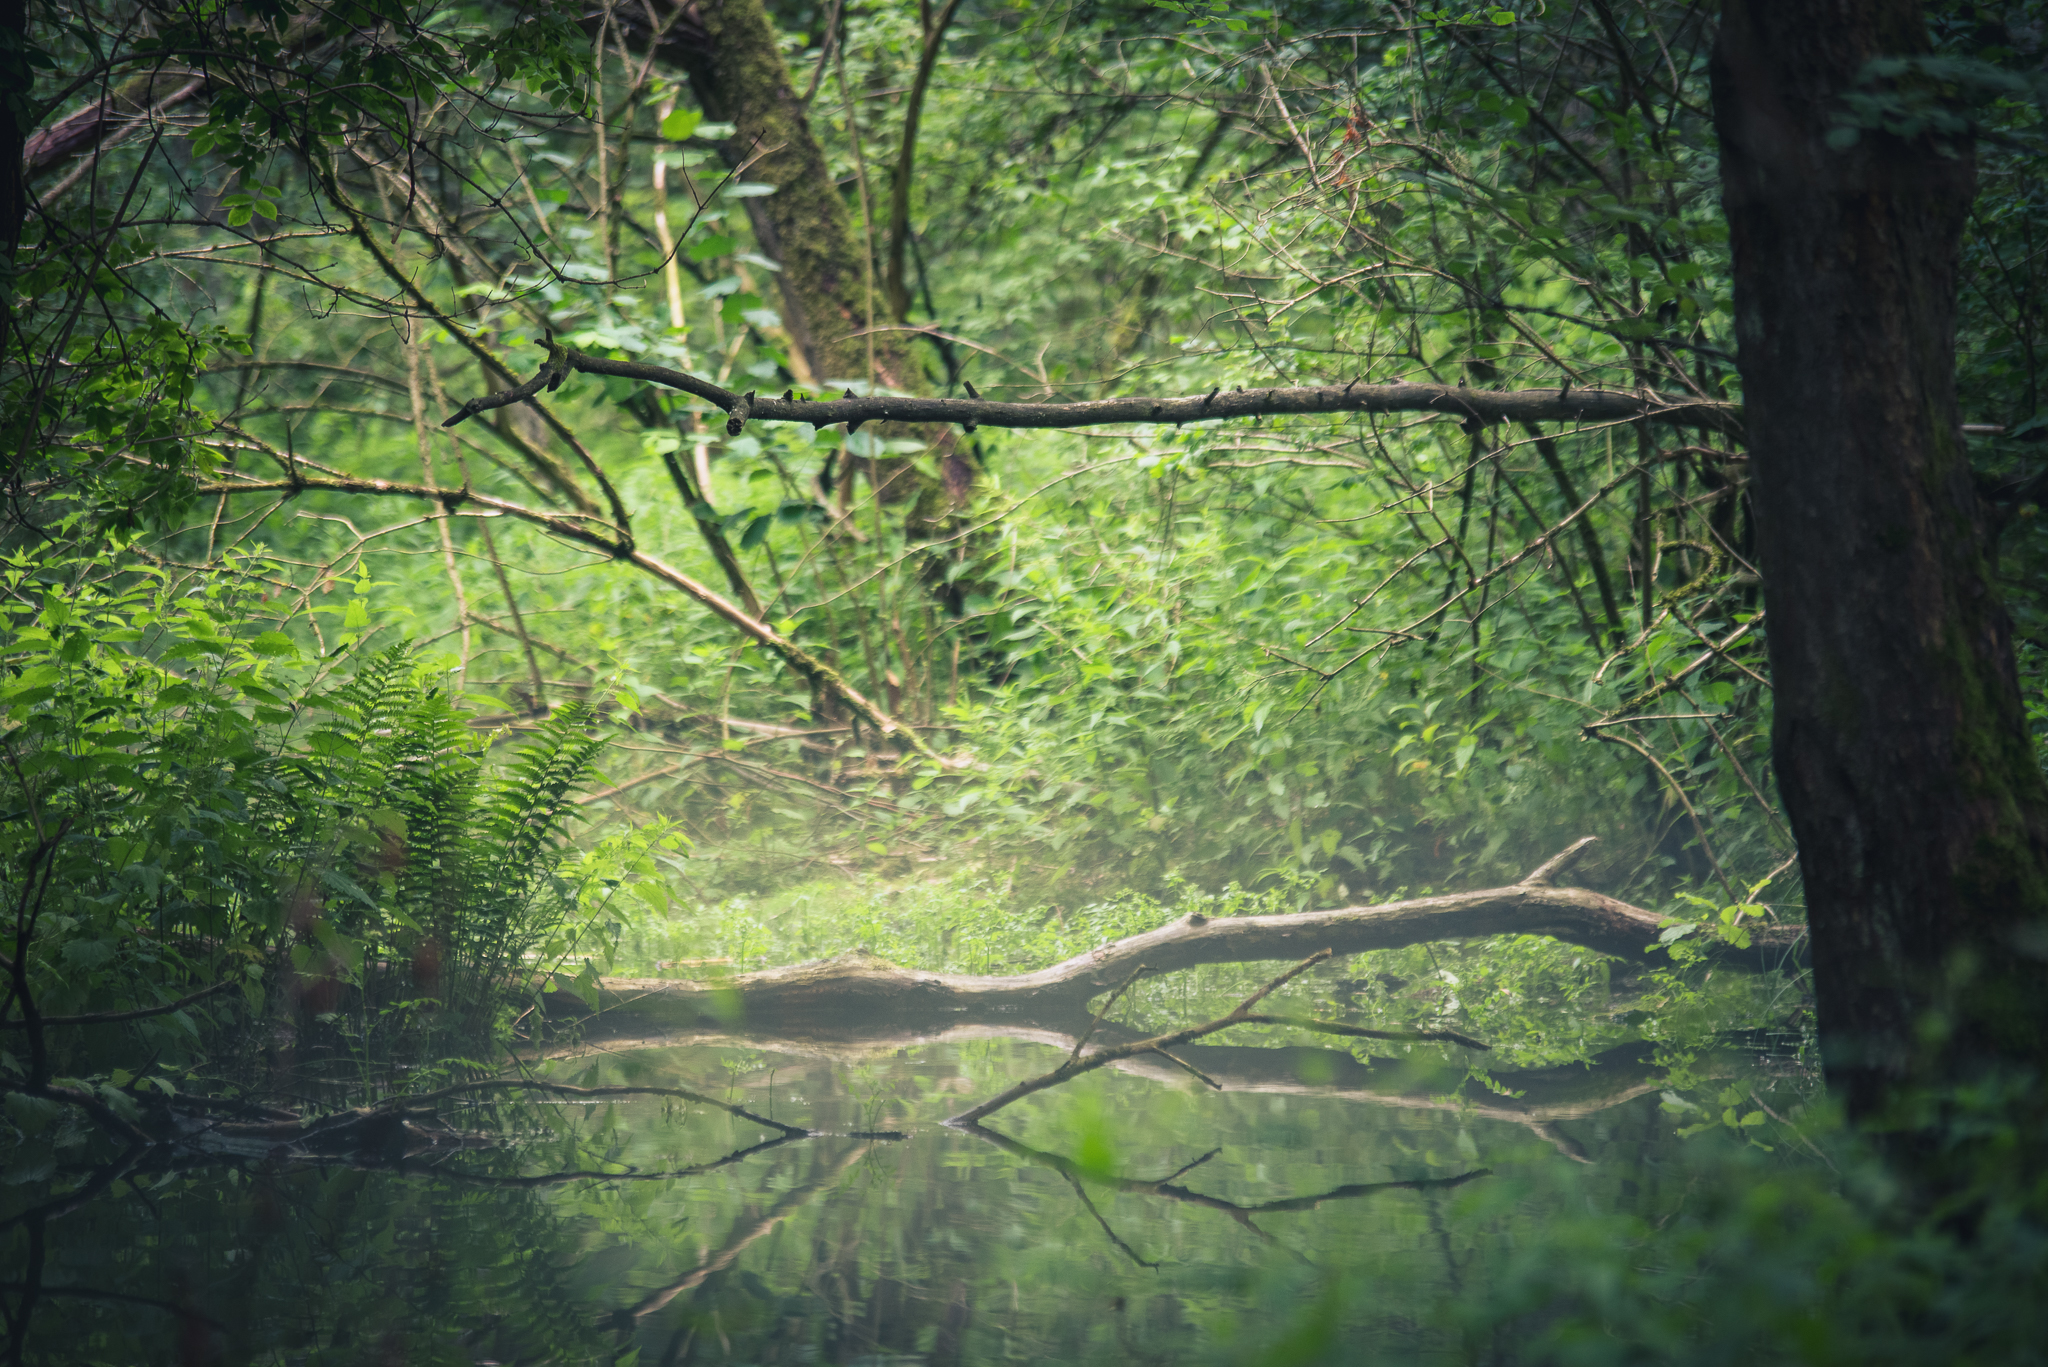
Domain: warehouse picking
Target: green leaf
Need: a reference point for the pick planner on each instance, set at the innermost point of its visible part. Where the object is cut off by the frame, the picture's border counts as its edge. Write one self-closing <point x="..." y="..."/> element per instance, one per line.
<point x="737" y="306"/>
<point x="681" y="124"/>
<point x="89" y="954"/>
<point x="348" y="953"/>
<point x="31" y="1114"/>
<point x="585" y="985"/>
<point x="704" y="249"/>
<point x="331" y="743"/>
<point x="346" y="887"/>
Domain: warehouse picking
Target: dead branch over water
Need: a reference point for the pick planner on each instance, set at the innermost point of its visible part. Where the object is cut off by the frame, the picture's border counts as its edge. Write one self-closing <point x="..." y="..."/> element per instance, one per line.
<point x="859" y="984"/>
<point x="1075" y="1064"/>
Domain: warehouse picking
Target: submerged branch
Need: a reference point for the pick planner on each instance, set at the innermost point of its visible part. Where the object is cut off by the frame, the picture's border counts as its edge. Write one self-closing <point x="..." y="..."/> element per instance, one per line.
<point x="1074" y="1065"/>
<point x="595" y="1094"/>
<point x="750" y="1229"/>
<point x="1167" y="1188"/>
<point x="1360" y="1032"/>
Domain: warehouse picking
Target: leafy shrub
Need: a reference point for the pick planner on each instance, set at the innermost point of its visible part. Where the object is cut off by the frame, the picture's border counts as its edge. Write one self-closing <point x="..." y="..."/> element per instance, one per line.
<point x="193" y="803"/>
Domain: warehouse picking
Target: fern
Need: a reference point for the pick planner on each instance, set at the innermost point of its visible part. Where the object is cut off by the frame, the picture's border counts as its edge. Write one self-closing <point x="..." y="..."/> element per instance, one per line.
<point x="181" y="817"/>
<point x="444" y="873"/>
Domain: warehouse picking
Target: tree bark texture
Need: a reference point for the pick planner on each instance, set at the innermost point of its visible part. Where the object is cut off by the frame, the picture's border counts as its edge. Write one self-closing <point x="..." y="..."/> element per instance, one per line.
<point x="16" y="82"/>
<point x="156" y="92"/>
<point x="830" y="290"/>
<point x="1899" y="736"/>
<point x="16" y="78"/>
<point x="740" y="78"/>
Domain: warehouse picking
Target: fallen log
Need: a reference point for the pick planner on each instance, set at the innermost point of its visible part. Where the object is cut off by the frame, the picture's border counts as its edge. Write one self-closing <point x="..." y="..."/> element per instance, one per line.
<point x="860" y="986"/>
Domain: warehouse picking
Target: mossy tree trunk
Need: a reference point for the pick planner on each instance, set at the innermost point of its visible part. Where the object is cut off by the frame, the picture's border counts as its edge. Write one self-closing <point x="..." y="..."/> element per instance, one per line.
<point x="740" y="78"/>
<point x="831" y="298"/>
<point x="1899" y="736"/>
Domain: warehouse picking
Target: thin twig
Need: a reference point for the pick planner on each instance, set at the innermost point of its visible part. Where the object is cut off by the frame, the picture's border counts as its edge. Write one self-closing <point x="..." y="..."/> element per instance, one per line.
<point x="1190" y="1068"/>
<point x="1103" y="1014"/>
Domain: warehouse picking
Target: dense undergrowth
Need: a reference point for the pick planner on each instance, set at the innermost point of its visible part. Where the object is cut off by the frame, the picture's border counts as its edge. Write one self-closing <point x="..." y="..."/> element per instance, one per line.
<point x="319" y="853"/>
<point x="382" y="774"/>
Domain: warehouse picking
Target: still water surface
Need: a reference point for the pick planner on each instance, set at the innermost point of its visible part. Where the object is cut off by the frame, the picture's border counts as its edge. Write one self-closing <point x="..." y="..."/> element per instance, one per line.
<point x="1316" y="1208"/>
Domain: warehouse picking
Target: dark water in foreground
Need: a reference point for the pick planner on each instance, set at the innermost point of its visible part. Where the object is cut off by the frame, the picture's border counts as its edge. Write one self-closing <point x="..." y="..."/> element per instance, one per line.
<point x="1318" y="1208"/>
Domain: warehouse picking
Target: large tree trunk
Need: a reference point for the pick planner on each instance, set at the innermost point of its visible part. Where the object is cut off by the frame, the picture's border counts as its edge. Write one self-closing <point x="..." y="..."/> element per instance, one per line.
<point x="830" y="295"/>
<point x="740" y="78"/>
<point x="1899" y="737"/>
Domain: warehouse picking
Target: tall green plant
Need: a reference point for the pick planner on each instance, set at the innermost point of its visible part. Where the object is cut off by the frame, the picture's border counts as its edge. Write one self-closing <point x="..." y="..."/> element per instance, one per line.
<point x="427" y="876"/>
<point x="210" y="838"/>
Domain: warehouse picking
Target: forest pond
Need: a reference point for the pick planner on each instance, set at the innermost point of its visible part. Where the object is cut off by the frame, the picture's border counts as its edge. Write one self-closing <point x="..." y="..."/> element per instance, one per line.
<point x="1241" y="1202"/>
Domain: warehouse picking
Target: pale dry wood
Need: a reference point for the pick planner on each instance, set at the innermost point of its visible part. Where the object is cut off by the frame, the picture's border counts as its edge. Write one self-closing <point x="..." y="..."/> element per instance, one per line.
<point x="859" y="984"/>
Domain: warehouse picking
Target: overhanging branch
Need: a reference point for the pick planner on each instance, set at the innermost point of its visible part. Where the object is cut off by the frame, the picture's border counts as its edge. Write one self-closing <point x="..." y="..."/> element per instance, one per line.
<point x="1482" y="406"/>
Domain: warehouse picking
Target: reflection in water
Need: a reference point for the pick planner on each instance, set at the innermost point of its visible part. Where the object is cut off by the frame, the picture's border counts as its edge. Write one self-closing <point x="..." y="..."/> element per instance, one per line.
<point x="683" y="1233"/>
<point x="1076" y="1175"/>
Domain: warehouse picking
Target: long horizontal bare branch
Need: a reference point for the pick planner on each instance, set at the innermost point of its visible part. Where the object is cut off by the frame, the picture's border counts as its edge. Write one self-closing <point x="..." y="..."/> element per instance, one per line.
<point x="1483" y="406"/>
